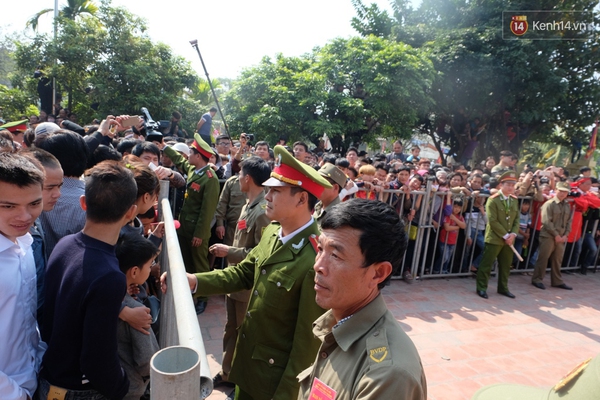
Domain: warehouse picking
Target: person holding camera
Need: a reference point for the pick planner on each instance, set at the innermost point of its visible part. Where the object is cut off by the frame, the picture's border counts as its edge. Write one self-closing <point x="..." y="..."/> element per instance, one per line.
<point x="246" y="140"/>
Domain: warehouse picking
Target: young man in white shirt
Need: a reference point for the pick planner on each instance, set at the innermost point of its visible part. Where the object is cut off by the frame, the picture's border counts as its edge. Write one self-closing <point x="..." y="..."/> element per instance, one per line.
<point x="21" y="351"/>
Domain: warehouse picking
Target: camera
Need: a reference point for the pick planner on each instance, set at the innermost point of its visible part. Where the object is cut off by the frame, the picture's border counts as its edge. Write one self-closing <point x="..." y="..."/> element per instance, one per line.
<point x="152" y="127"/>
<point x="249" y="137"/>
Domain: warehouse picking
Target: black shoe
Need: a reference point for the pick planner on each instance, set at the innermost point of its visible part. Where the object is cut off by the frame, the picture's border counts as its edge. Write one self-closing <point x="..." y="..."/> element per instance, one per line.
<point x="564" y="286"/>
<point x="507" y="294"/>
<point x="218" y="381"/>
<point x="538" y="285"/>
<point x="482" y="293"/>
<point x="200" y="306"/>
<point x="407" y="276"/>
<point x="231" y="395"/>
<point x="583" y="271"/>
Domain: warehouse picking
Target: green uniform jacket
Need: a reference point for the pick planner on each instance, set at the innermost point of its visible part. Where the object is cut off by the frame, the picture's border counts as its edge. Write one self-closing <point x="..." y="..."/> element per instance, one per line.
<point x="275" y="341"/>
<point x="248" y="233"/>
<point x="320" y="212"/>
<point x="230" y="205"/>
<point x="201" y="198"/>
<point x="367" y="357"/>
<point x="499" y="221"/>
<point x="556" y="218"/>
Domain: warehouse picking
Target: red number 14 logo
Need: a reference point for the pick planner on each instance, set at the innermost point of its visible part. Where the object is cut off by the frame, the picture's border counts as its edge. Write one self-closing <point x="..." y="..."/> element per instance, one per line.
<point x="519" y="25"/>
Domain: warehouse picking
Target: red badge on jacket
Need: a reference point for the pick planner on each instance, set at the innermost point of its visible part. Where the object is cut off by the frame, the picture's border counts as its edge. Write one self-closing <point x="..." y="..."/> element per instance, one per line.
<point x="195" y="186"/>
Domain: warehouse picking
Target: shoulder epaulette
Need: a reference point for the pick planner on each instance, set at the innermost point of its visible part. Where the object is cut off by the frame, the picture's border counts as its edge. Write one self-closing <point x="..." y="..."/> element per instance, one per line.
<point x="209" y="173"/>
<point x="513" y="196"/>
<point x="495" y="195"/>
<point x="313" y="241"/>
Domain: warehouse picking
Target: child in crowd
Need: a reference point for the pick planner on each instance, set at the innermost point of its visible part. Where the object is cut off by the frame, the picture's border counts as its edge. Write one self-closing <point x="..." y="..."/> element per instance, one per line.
<point x="136" y="255"/>
<point x="522" y="240"/>
<point x="366" y="175"/>
<point x="414" y="154"/>
<point x="448" y="235"/>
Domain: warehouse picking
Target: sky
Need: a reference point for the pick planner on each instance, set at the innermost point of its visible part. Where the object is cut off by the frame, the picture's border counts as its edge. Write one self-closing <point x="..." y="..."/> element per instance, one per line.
<point x="231" y="34"/>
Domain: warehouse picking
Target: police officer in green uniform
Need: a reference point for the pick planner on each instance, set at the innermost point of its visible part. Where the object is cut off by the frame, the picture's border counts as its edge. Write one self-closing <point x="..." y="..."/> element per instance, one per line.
<point x="502" y="210"/>
<point x="275" y="341"/>
<point x="364" y="354"/>
<point x="251" y="222"/>
<point x="330" y="197"/>
<point x="199" y="206"/>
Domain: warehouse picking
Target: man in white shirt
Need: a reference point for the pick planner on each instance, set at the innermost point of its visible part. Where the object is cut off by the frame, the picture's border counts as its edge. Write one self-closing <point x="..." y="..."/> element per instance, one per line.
<point x="21" y="351"/>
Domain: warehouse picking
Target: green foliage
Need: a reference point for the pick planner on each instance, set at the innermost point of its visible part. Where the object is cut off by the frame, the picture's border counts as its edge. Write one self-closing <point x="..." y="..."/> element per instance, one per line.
<point x="106" y="68"/>
<point x="131" y="72"/>
<point x="15" y="103"/>
<point x="352" y="90"/>
<point x="529" y="86"/>
<point x="72" y="10"/>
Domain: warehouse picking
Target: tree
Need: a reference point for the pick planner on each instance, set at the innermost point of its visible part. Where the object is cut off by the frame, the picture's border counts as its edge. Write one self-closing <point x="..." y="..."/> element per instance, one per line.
<point x="276" y="98"/>
<point x="112" y="68"/>
<point x="388" y="82"/>
<point x="353" y="90"/>
<point x="131" y="72"/>
<point x="15" y="103"/>
<point x="72" y="10"/>
<point x="518" y="89"/>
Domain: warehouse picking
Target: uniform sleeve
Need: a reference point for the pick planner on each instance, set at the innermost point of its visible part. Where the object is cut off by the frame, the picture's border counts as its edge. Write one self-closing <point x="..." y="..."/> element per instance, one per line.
<point x="179" y="161"/>
<point x="222" y="206"/>
<point x="390" y="383"/>
<point x="210" y="194"/>
<point x="99" y="358"/>
<point x="237" y="254"/>
<point x="305" y="346"/>
<point x="569" y="224"/>
<point x="229" y="280"/>
<point x="516" y="221"/>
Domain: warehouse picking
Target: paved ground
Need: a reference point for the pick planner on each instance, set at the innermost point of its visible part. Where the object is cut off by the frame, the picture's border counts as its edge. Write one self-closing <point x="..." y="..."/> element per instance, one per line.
<point x="466" y="342"/>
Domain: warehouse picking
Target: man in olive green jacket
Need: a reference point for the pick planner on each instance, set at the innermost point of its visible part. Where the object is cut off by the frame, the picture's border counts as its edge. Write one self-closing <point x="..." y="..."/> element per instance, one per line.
<point x="364" y="354"/>
<point x="275" y="341"/>
<point x="330" y="197"/>
<point x="556" y="226"/>
<point x="502" y="211"/>
<point x="199" y="206"/>
<point x="248" y="232"/>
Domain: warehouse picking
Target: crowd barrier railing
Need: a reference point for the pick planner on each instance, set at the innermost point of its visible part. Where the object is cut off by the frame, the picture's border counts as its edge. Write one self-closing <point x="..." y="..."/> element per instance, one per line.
<point x="426" y="253"/>
<point x="179" y="325"/>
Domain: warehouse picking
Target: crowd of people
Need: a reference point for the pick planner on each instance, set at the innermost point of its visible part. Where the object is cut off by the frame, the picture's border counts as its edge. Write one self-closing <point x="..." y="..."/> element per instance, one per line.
<point x="288" y="232"/>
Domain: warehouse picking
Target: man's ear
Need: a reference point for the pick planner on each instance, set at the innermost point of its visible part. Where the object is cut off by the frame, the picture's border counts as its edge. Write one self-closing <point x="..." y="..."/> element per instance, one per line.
<point x="382" y="270"/>
<point x="303" y="199"/>
<point x="82" y="203"/>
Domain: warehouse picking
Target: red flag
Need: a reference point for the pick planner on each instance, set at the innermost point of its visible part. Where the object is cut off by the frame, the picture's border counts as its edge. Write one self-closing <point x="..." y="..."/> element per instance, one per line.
<point x="592" y="146"/>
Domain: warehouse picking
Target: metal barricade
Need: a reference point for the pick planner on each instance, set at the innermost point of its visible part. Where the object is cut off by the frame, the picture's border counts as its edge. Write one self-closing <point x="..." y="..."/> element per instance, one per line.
<point x="425" y="248"/>
<point x="178" y="320"/>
